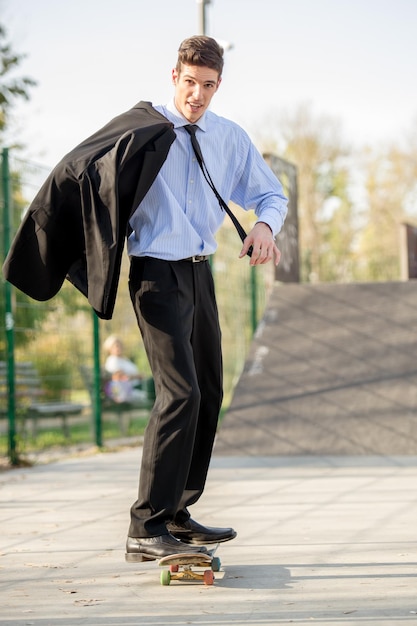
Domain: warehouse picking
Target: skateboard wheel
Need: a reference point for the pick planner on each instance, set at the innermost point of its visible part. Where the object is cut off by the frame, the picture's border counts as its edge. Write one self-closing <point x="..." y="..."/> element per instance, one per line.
<point x="174" y="568"/>
<point x="208" y="577"/>
<point x="216" y="564"/>
<point x="165" y="577"/>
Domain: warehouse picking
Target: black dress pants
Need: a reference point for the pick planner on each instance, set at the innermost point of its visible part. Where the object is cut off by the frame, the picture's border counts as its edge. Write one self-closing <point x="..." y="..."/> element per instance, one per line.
<point x="176" y="310"/>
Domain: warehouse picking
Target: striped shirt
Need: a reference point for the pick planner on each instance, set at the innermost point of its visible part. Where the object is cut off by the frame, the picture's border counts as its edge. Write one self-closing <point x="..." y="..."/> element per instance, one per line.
<point x="179" y="216"/>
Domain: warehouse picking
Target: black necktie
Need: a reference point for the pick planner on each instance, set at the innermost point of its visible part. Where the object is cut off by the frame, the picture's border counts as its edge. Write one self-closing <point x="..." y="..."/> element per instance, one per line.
<point x="191" y="130"/>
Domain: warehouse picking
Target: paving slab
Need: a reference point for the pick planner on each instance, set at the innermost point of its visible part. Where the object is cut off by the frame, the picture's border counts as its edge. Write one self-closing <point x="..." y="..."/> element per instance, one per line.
<point x="328" y="540"/>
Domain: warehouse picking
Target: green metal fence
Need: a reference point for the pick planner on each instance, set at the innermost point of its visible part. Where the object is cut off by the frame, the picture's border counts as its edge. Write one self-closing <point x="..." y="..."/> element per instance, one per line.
<point x="60" y="340"/>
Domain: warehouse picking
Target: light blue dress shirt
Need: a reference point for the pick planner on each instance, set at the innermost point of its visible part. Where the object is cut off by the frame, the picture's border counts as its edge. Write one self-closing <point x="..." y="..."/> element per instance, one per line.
<point x="180" y="215"/>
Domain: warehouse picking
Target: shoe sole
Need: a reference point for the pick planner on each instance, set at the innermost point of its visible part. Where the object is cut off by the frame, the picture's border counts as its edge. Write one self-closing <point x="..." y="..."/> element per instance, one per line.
<point x="194" y="542"/>
<point x="138" y="557"/>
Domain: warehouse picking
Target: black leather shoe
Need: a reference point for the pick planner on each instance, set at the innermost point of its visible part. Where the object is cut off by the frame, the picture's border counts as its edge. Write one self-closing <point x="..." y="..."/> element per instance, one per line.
<point x="152" y="548"/>
<point x="192" y="532"/>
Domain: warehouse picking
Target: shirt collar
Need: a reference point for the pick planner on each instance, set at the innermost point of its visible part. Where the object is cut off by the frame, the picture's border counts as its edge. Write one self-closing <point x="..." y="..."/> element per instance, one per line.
<point x="179" y="120"/>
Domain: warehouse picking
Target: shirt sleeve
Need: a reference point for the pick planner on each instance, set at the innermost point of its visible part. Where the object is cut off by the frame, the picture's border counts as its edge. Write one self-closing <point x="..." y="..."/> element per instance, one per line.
<point x="258" y="189"/>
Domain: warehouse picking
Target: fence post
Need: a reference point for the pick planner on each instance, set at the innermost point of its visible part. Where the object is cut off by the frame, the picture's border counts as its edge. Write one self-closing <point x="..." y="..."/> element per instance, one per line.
<point x="254" y="299"/>
<point x="98" y="427"/>
<point x="9" y="320"/>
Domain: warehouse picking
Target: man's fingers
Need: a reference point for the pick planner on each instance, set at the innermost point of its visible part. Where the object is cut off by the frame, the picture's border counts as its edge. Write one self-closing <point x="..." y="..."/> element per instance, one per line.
<point x="260" y="252"/>
<point x="277" y="255"/>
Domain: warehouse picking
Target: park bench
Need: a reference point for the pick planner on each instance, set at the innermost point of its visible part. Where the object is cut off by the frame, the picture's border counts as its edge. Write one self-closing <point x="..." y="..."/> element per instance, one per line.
<point x="30" y="401"/>
<point x="122" y="410"/>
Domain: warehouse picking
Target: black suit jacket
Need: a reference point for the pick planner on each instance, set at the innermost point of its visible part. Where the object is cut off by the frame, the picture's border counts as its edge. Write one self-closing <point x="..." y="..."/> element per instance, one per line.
<point x="76" y="226"/>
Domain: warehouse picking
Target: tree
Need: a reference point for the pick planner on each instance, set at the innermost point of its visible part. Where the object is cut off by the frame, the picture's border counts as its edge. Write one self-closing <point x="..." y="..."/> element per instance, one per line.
<point x="390" y="174"/>
<point x="325" y="210"/>
<point x="10" y="87"/>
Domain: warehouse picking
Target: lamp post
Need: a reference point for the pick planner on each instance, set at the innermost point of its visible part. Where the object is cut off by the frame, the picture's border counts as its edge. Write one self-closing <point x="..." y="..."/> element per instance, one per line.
<point x="202" y="19"/>
<point x="202" y="15"/>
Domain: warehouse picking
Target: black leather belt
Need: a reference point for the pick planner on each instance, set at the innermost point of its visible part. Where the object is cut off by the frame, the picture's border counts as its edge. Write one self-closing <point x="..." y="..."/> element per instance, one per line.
<point x="198" y="258"/>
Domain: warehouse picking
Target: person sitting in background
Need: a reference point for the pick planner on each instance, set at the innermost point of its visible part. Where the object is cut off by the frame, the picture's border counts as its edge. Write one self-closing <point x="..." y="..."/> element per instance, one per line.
<point x="124" y="376"/>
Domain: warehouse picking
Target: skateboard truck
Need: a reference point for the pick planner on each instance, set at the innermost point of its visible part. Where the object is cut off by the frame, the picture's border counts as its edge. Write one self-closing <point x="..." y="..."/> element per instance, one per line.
<point x="181" y="568"/>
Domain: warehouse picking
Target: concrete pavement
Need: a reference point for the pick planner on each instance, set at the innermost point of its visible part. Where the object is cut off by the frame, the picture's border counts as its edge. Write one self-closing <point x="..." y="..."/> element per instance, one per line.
<point x="324" y="540"/>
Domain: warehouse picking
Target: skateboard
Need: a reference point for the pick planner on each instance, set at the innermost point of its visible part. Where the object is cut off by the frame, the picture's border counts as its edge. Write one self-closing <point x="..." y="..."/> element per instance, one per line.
<point x="181" y="567"/>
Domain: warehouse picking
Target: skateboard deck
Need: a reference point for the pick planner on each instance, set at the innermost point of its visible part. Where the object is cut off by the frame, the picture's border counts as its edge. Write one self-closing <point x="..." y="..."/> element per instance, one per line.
<point x="181" y="567"/>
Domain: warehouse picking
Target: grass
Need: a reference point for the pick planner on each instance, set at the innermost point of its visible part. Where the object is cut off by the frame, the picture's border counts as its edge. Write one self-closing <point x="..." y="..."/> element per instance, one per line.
<point x="80" y="432"/>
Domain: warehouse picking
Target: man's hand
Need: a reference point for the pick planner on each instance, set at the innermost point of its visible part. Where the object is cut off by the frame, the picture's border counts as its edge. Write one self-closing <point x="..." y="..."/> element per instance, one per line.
<point x="263" y="244"/>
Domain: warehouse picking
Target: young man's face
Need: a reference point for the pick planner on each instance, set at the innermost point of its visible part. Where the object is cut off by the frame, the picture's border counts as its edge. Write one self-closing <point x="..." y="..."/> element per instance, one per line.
<point x="194" y="88"/>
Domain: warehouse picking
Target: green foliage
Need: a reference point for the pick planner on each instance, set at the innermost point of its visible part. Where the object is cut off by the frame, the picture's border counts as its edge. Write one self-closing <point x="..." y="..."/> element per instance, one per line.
<point x="55" y="374"/>
<point x="351" y="204"/>
<point x="10" y="88"/>
<point x="390" y="175"/>
<point x="80" y="432"/>
<point x="314" y="145"/>
<point x="25" y="315"/>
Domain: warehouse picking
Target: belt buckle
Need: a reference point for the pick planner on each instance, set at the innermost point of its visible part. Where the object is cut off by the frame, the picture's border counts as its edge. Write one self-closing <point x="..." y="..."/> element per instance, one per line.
<point x="198" y="258"/>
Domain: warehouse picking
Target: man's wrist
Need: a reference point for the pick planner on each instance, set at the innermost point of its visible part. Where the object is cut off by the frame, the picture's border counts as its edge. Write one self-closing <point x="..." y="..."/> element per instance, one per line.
<point x="267" y="225"/>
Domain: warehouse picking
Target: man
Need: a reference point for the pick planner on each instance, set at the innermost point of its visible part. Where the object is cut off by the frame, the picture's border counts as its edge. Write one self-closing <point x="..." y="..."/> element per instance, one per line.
<point x="171" y="287"/>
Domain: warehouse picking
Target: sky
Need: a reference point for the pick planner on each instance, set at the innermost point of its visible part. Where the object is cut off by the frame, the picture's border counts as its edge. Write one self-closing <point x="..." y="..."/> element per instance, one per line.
<point x="351" y="60"/>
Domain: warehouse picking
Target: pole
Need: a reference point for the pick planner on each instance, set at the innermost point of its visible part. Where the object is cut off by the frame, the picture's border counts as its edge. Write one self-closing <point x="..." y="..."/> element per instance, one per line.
<point x="202" y="16"/>
<point x="9" y="320"/>
<point x="254" y="299"/>
<point x="98" y="427"/>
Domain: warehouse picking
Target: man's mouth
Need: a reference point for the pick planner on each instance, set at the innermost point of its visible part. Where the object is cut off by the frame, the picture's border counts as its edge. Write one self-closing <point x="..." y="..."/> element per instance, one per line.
<point x="194" y="107"/>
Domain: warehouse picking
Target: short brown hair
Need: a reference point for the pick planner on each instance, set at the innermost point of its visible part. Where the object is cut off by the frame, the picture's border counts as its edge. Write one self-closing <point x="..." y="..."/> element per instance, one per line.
<point x="200" y="50"/>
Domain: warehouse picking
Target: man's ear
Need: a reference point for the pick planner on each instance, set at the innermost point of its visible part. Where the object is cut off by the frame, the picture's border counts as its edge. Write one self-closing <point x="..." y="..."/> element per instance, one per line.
<point x="174" y="75"/>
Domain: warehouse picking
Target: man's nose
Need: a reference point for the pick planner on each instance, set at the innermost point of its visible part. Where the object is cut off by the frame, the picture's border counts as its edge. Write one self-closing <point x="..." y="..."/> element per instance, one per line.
<point x="196" y="91"/>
